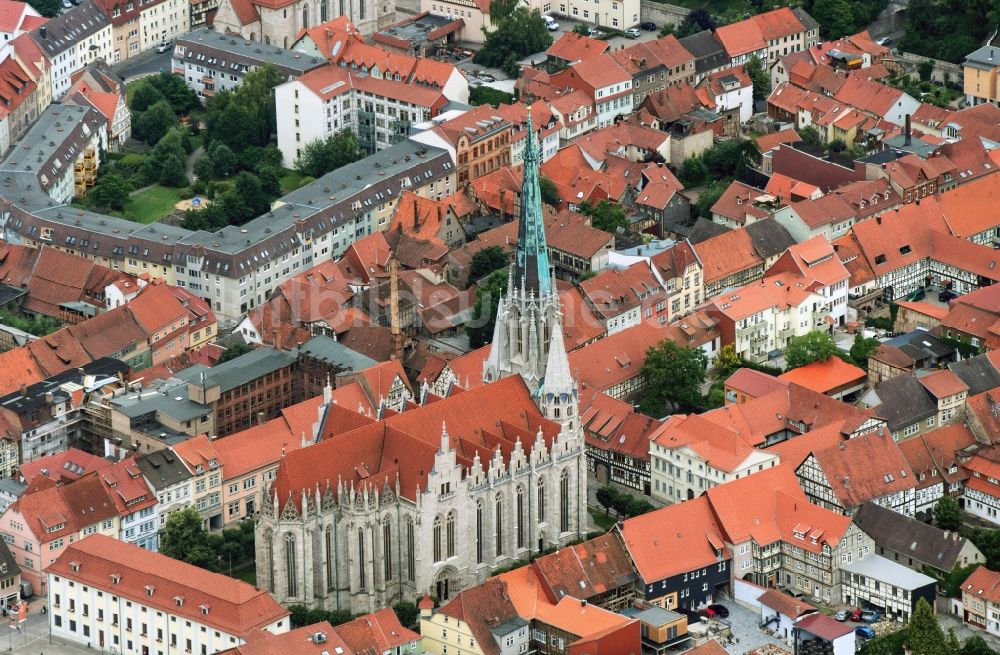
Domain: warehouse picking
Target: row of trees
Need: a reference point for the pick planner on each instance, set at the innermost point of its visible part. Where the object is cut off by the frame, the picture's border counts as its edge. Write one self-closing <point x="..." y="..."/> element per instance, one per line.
<point x="923" y="635"/>
<point x="624" y="503"/>
<point x="301" y="616"/>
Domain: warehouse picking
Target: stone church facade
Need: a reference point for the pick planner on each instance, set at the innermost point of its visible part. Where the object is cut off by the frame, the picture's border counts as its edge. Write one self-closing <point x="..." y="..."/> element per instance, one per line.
<point x="279" y="22"/>
<point x="438" y="511"/>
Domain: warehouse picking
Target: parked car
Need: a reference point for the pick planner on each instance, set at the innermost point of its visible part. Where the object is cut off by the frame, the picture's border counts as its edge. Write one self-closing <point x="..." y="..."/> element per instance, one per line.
<point x="594" y="32"/>
<point x="632" y="32"/>
<point x="551" y="23"/>
<point x="720" y="610"/>
<point x="649" y="26"/>
<point x="884" y="41"/>
<point x="864" y="632"/>
<point x="870" y="616"/>
<point x="856" y="616"/>
<point x="947" y="295"/>
<point x="487" y="78"/>
<point x="164" y="47"/>
<point x="842" y="615"/>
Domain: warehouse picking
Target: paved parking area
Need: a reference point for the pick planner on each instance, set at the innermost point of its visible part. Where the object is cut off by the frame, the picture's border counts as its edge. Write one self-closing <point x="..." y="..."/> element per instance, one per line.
<point x="744" y="622"/>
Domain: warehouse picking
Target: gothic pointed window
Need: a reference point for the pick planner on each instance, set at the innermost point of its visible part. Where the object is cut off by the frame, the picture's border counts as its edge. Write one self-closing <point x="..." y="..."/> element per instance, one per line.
<point x="498" y="524"/>
<point x="290" y="566"/>
<point x="451" y="534"/>
<point x="361" y="558"/>
<point x="387" y="548"/>
<point x="269" y="538"/>
<point x="305" y="17"/>
<point x="324" y="13"/>
<point x="361" y="9"/>
<point x="328" y="548"/>
<point x="479" y="532"/>
<point x="437" y="538"/>
<point x="520" y="518"/>
<point x="541" y="500"/>
<point x="411" y="555"/>
<point x="564" y="502"/>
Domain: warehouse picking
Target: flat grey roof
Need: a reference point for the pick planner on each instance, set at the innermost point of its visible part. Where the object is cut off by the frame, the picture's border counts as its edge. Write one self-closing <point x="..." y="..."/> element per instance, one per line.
<point x="169" y="397"/>
<point x="885" y="570"/>
<point x="240" y="370"/>
<point x="331" y="351"/>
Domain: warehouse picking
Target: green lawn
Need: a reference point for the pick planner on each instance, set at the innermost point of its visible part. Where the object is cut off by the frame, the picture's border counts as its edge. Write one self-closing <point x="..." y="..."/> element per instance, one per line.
<point x="152" y="204"/>
<point x="602" y="521"/>
<point x="290" y="180"/>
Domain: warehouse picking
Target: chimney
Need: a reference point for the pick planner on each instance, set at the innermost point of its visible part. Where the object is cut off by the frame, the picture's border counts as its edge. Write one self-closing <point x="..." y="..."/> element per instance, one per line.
<point x="276" y="337"/>
<point x="906" y="134"/>
<point x="24" y="389"/>
<point x="42" y="33"/>
<point x="260" y="418"/>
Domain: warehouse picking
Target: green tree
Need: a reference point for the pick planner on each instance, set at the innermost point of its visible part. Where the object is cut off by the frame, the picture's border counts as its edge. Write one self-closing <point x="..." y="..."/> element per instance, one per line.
<point x="862" y="349"/>
<point x="222" y="160"/>
<point x="925" y="636"/>
<point x="605" y="216"/>
<point x="110" y="193"/>
<point x="698" y="20"/>
<point x="550" y="195"/>
<point x="232" y="352"/>
<point x="152" y="124"/>
<point x="709" y="197"/>
<point x="172" y="87"/>
<point x="890" y="643"/>
<point x="47" y="8"/>
<point x="231" y="126"/>
<point x="522" y="32"/>
<point x="835" y="18"/>
<point x="810" y="136"/>
<point x="976" y="645"/>
<point x="142" y="96"/>
<point x="407" y="613"/>
<point x="815" y="346"/>
<point x="925" y="69"/>
<point x="485" y="262"/>
<point x="666" y="29"/>
<point x="729" y="158"/>
<point x="607" y="497"/>
<point x="485" y="95"/>
<point x="693" y="172"/>
<point x="726" y="361"/>
<point x="948" y="513"/>
<point x="755" y="70"/>
<point x="581" y="29"/>
<point x="172" y="172"/>
<point x="673" y="377"/>
<point x="183" y="537"/>
<point x="484" y="312"/>
<point x="256" y="96"/>
<point x="952" y="581"/>
<point x="324" y="155"/>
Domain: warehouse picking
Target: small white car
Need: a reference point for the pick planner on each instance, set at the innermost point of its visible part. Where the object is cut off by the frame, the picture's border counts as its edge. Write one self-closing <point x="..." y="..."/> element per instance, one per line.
<point x="551" y="23"/>
<point x="164" y="47"/>
<point x="632" y="32"/>
<point x="594" y="32"/>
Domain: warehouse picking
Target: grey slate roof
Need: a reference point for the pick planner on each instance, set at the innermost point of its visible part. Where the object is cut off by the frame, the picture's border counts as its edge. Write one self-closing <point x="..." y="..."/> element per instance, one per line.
<point x="977" y="372"/>
<point x="807" y="21"/>
<point x="903" y="401"/>
<point x="704" y="230"/>
<point x="169" y="397"/>
<point x="240" y="370"/>
<point x="331" y="351"/>
<point x="226" y="51"/>
<point x="907" y="536"/>
<point x="162" y="469"/>
<point x="8" y="565"/>
<point x="66" y="29"/>
<point x="985" y="58"/>
<point x="769" y="237"/>
<point x="706" y="49"/>
<point x="921" y="344"/>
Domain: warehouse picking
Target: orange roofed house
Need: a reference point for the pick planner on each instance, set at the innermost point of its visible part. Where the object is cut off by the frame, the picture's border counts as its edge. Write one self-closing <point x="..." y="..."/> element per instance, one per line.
<point x="107" y="593"/>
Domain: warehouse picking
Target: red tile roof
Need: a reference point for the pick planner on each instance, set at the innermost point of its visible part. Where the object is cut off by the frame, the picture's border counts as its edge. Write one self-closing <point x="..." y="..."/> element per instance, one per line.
<point x="156" y="308"/>
<point x="483" y="607"/>
<point x="827" y="376"/>
<point x="962" y="206"/>
<point x="727" y="254"/>
<point x="744" y="37"/>
<point x="378" y="632"/>
<point x="594" y="567"/>
<point x="232" y="605"/>
<point x="943" y="383"/>
<point x="66" y="466"/>
<point x="769" y="142"/>
<point x="573" y="47"/>
<point x="865" y="468"/>
<point x="299" y="641"/>
<point x="983" y="583"/>
<point x="613" y="425"/>
<point x="674" y="540"/>
<point x="18" y="367"/>
<point x="788" y="605"/>
<point x="753" y="384"/>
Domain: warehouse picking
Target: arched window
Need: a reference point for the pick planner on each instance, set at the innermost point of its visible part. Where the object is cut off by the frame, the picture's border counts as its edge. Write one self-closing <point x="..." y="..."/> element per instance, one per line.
<point x="324" y="13"/>
<point x="564" y="502"/>
<point x="305" y="17"/>
<point x="479" y="532"/>
<point x="541" y="500"/>
<point x="269" y="537"/>
<point x="498" y="524"/>
<point x="451" y="534"/>
<point x="520" y="518"/>
<point x="328" y="548"/>
<point x="290" y="566"/>
<point x="361" y="558"/>
<point x="411" y="556"/>
<point x="437" y="538"/>
<point x="267" y="40"/>
<point x="387" y="548"/>
<point x="361" y="9"/>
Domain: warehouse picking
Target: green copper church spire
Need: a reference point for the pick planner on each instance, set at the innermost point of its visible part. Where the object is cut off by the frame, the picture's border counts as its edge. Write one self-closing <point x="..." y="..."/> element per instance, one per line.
<point x="531" y="262"/>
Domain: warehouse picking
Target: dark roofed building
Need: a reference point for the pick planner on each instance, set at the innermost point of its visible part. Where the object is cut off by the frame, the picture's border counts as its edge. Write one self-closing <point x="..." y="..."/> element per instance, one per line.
<point x="902" y="401"/>
<point x="978" y="372"/>
<point x="10" y="578"/>
<point x="770" y="239"/>
<point x="708" y="52"/>
<point x="914" y="543"/>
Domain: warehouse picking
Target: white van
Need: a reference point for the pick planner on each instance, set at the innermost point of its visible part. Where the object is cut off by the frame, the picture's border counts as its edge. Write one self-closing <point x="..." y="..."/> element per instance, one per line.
<point x="550" y="23"/>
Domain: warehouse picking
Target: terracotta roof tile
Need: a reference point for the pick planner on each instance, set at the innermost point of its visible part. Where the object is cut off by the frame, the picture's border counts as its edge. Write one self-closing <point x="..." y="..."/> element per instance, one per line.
<point x="573" y="47"/>
<point x="378" y="632"/>
<point x="585" y="570"/>
<point x="943" y="383"/>
<point x="865" y="468"/>
<point x="983" y="583"/>
<point x="827" y="376"/>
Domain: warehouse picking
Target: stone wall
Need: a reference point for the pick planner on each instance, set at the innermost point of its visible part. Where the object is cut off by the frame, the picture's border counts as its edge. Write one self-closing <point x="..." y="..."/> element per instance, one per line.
<point x="661" y="13"/>
<point x="910" y="62"/>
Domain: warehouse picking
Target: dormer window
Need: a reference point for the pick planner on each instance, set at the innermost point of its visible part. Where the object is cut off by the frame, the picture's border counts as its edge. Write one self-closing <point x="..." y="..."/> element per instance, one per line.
<point x="75" y="566"/>
<point x="179" y="601"/>
<point x="115" y="578"/>
<point x="150" y="589"/>
<point x="204" y="609"/>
